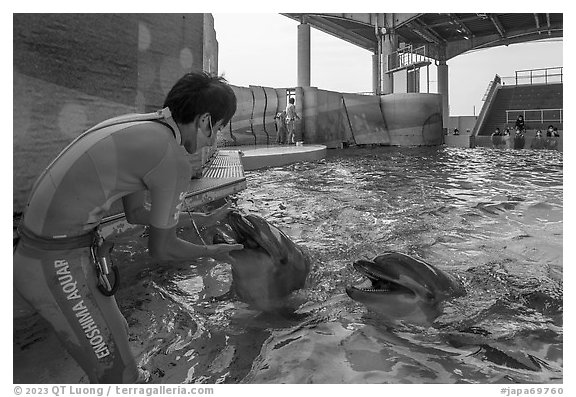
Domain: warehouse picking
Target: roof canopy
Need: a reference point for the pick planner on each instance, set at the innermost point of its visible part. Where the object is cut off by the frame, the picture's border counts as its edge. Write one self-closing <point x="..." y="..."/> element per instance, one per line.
<point x="445" y="35"/>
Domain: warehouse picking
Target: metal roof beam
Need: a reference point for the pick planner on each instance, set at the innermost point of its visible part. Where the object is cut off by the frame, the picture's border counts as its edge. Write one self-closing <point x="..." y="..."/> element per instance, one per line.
<point x="498" y="25"/>
<point x="427" y="34"/>
<point x="364" y="18"/>
<point x="461" y="25"/>
<point x="373" y="19"/>
<point x="334" y="29"/>
<point x="444" y="23"/>
<point x="548" y="22"/>
<point x="455" y="48"/>
<point x="403" y="18"/>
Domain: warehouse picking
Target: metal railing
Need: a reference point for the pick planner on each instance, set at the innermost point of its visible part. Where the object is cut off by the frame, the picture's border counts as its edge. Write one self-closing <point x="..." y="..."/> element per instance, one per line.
<point x="407" y="56"/>
<point x="536" y="76"/>
<point x="490" y="87"/>
<point x="535" y="115"/>
<point x="488" y="98"/>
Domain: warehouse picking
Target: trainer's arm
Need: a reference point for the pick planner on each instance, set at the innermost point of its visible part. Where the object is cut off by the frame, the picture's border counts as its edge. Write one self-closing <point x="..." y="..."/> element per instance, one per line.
<point x="167" y="183"/>
<point x="165" y="245"/>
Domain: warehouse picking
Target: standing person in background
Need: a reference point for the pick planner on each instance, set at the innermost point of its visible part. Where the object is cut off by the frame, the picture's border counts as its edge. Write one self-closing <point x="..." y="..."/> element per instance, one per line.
<point x="280" y="119"/>
<point x="291" y="118"/>
<point x="61" y="264"/>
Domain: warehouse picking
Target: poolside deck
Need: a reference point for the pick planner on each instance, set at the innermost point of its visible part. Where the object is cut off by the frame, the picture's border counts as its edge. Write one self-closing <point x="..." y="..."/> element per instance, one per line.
<point x="266" y="156"/>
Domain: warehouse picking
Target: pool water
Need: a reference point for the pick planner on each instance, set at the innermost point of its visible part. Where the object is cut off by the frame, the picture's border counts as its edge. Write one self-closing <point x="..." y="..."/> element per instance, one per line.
<point x="492" y="218"/>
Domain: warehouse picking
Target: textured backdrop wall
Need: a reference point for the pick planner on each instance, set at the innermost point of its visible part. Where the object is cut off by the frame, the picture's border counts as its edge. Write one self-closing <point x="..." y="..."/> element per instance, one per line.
<point x="72" y="71"/>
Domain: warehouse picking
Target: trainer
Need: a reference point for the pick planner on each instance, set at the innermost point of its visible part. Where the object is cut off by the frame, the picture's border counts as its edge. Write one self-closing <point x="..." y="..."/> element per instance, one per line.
<point x="60" y="264"/>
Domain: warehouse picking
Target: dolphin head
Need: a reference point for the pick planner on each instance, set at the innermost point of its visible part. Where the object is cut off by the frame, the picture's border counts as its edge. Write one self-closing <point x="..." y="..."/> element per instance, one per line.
<point x="269" y="267"/>
<point x="400" y="287"/>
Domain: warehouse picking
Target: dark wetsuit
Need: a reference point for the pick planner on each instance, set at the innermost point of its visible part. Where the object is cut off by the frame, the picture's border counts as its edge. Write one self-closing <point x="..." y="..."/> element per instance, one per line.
<point x="69" y="199"/>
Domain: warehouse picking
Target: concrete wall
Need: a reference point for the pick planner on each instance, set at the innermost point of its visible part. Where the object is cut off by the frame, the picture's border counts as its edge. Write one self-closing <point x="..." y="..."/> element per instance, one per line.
<point x="333" y="118"/>
<point x="253" y="123"/>
<point x="210" y="46"/>
<point x="257" y="117"/>
<point x="72" y="71"/>
<point x="325" y="118"/>
<point x="463" y="123"/>
<point x="465" y="141"/>
<point x="413" y="119"/>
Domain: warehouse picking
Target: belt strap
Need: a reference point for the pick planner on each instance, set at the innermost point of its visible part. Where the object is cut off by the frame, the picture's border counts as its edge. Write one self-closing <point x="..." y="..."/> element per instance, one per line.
<point x="56" y="243"/>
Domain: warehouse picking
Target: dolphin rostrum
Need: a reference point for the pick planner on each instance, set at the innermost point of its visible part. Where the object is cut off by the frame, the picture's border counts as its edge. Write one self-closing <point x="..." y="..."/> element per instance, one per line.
<point x="269" y="267"/>
<point x="401" y="287"/>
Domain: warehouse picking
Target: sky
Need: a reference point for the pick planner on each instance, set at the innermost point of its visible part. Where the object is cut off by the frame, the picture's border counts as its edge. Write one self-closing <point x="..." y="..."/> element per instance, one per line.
<point x="261" y="49"/>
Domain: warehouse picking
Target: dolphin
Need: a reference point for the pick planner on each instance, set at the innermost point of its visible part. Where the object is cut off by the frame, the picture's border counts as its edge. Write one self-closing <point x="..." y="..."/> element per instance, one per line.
<point x="400" y="287"/>
<point x="269" y="267"/>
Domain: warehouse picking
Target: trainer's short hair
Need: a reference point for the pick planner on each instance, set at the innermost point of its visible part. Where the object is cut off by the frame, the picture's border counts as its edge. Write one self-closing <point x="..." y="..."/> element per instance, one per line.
<point x="198" y="93"/>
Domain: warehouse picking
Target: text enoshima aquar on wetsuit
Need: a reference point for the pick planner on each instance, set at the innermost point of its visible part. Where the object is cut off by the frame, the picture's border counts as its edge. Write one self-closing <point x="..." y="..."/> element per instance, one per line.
<point x="70" y="289"/>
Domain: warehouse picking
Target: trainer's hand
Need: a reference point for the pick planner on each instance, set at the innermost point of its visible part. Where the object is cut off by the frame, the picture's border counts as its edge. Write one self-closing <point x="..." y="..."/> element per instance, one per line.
<point x="222" y="251"/>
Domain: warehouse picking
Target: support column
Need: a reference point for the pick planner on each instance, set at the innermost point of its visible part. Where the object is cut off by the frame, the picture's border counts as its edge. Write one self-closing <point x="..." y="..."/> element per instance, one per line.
<point x="443" y="90"/>
<point x="304" y="55"/>
<point x="375" y="74"/>
<point x="389" y="46"/>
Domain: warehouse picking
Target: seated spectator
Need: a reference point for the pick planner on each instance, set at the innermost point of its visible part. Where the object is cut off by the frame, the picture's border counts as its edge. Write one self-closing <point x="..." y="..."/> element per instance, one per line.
<point x="496" y="138"/>
<point x="520" y="126"/>
<point x="519" y="139"/>
<point x="456" y="132"/>
<point x="506" y="138"/>
<point x="552" y="132"/>
<point x="538" y="141"/>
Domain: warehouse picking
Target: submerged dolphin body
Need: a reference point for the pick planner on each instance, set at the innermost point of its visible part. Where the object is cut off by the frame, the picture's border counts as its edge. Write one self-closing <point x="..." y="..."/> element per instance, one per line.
<point x="269" y="267"/>
<point x="400" y="287"/>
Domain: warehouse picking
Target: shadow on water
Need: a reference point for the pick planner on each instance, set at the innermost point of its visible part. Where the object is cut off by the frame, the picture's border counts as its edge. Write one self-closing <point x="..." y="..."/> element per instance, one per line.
<point x="492" y="218"/>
